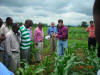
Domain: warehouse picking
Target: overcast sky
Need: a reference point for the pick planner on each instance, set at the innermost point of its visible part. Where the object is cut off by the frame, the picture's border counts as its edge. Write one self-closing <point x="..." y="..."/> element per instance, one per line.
<point x="71" y="11"/>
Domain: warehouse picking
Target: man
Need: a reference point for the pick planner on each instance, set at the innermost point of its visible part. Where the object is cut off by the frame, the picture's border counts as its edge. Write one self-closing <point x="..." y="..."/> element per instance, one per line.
<point x="25" y="40"/>
<point x="62" y="37"/>
<point x="2" y="38"/>
<point x="52" y="31"/>
<point x="91" y="39"/>
<point x="96" y="15"/>
<point x="13" y="48"/>
<point x="5" y="29"/>
<point x="38" y="40"/>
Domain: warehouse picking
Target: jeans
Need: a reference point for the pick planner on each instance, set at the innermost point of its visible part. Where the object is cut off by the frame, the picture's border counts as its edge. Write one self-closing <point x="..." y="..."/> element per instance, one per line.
<point x="62" y="44"/>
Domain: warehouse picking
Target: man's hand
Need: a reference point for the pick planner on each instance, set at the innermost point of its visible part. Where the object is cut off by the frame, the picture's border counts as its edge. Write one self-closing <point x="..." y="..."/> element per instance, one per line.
<point x="2" y="37"/>
<point x="48" y="38"/>
<point x="53" y="34"/>
<point x="18" y="33"/>
<point x="36" y="43"/>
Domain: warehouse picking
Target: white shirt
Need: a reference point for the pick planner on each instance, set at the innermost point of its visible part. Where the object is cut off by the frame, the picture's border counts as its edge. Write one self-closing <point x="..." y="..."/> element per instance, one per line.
<point x="11" y="43"/>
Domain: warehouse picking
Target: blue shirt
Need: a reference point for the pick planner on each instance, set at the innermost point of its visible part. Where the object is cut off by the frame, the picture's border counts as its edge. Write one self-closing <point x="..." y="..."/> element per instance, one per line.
<point x="4" y="70"/>
<point x="51" y="30"/>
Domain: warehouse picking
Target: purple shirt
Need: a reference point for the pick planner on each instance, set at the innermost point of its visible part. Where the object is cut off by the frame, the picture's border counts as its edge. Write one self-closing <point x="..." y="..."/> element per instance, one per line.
<point x="38" y="35"/>
<point x="62" y="33"/>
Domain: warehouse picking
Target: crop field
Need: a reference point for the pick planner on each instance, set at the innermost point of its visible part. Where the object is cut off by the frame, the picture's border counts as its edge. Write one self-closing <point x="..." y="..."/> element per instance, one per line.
<point x="77" y="60"/>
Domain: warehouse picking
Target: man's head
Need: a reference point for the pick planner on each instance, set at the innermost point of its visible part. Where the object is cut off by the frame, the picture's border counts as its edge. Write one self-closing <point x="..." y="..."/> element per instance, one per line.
<point x="60" y="22"/>
<point x="1" y="22"/>
<point x="28" y="23"/>
<point x="52" y="24"/>
<point x="40" y="25"/>
<point x="9" y="21"/>
<point x="91" y="23"/>
<point x="15" y="27"/>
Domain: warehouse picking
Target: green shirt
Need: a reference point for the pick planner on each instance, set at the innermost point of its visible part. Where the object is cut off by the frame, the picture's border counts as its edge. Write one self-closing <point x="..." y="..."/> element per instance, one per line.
<point x="25" y="38"/>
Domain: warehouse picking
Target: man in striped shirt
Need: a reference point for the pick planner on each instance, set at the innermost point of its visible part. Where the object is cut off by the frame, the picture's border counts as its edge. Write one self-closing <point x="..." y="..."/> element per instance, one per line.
<point x="25" y="40"/>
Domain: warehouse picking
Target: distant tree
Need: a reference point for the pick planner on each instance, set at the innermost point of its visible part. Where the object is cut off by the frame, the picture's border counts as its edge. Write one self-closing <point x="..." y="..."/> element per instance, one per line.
<point x="79" y="26"/>
<point x="35" y="25"/>
<point x="69" y="26"/>
<point x="45" y="25"/>
<point x="84" y="24"/>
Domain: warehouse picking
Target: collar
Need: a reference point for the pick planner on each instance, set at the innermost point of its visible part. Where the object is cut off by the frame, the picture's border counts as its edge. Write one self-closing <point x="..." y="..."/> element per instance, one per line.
<point x="61" y="26"/>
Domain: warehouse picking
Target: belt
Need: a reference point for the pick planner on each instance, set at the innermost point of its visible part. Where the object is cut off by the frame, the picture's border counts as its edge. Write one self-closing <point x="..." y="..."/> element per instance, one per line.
<point x="41" y="41"/>
<point x="63" y="39"/>
<point x="1" y="50"/>
<point x="15" y="52"/>
<point x="92" y="37"/>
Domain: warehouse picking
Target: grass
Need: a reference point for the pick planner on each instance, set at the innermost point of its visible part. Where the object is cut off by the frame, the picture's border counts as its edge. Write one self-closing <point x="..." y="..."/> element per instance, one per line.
<point x="76" y="61"/>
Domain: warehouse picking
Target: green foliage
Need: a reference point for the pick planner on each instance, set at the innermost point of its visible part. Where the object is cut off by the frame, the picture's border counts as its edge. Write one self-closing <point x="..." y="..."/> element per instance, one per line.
<point x="31" y="70"/>
<point x="84" y="24"/>
<point x="77" y="60"/>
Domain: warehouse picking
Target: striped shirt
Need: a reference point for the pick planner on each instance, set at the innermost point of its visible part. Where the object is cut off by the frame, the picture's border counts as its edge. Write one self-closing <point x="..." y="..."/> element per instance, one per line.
<point x="25" y="38"/>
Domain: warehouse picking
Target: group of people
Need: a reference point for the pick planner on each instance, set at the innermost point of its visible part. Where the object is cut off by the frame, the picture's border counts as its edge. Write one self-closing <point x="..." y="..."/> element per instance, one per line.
<point x="60" y="32"/>
<point x="15" y="41"/>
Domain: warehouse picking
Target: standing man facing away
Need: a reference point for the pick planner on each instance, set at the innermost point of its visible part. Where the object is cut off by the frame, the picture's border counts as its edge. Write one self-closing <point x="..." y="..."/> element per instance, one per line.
<point x="38" y="40"/>
<point x="62" y="37"/>
<point x="13" y="48"/>
<point x="91" y="39"/>
<point x="25" y="41"/>
<point x="52" y="31"/>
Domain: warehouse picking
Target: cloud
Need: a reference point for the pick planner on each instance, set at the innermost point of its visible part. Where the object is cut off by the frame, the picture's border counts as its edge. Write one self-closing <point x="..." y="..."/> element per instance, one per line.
<point x="71" y="11"/>
<point x="82" y="6"/>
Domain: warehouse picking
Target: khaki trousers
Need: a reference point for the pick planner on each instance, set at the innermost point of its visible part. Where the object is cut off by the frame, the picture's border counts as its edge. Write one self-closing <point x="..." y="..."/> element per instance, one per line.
<point x="39" y="50"/>
<point x="53" y="43"/>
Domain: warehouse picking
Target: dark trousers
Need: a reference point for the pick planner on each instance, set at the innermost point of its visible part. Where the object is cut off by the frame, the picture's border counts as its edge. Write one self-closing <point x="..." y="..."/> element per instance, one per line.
<point x="91" y="42"/>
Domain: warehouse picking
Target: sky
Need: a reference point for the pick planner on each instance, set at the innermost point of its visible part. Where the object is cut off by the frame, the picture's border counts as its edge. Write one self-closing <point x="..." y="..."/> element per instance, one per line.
<point x="73" y="12"/>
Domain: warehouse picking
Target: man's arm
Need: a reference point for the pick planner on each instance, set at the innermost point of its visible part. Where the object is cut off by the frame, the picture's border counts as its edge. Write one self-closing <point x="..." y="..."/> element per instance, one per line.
<point x="48" y="31"/>
<point x="63" y="35"/>
<point x="56" y="30"/>
<point x="87" y="29"/>
<point x="2" y="37"/>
